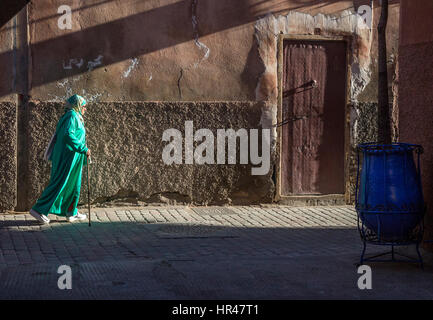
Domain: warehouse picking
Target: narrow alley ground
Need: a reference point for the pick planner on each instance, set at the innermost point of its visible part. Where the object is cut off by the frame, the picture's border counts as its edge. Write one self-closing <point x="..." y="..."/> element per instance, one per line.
<point x="180" y="252"/>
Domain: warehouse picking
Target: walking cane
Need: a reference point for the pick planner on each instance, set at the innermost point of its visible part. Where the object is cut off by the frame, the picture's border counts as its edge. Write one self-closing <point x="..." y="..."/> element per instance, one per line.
<point x="88" y="161"/>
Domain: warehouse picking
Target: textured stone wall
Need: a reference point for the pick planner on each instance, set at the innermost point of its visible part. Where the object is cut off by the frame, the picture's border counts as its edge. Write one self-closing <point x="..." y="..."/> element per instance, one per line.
<point x="126" y="143"/>
<point x="8" y="162"/>
<point x="363" y="129"/>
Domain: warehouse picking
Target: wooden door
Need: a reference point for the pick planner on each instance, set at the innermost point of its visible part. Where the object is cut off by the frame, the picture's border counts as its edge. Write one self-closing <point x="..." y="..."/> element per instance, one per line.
<point x="314" y="102"/>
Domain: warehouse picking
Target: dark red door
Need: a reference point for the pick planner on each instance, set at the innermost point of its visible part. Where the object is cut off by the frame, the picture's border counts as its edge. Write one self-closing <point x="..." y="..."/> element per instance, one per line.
<point x="314" y="102"/>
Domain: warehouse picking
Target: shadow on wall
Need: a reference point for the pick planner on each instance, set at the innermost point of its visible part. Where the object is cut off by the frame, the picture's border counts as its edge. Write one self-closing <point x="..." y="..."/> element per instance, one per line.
<point x="143" y="33"/>
<point x="9" y="8"/>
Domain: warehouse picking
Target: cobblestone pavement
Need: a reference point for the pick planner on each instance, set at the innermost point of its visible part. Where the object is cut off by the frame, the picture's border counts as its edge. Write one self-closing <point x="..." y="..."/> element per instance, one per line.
<point x="195" y="252"/>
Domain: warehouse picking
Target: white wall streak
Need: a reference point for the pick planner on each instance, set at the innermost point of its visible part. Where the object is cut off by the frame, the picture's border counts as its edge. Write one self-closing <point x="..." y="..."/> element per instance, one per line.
<point x="198" y="43"/>
<point x="92" y="64"/>
<point x="134" y="63"/>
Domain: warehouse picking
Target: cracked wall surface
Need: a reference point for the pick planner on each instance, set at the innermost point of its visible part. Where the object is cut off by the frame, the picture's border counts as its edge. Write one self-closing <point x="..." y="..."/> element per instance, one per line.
<point x="138" y="50"/>
<point x="161" y="37"/>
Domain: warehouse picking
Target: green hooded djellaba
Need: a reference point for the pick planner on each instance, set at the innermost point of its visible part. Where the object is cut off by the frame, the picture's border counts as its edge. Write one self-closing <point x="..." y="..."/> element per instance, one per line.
<point x="61" y="195"/>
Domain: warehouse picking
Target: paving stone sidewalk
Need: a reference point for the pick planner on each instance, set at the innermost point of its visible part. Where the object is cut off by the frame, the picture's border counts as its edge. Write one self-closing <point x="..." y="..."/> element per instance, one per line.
<point x="179" y="232"/>
<point x="149" y="246"/>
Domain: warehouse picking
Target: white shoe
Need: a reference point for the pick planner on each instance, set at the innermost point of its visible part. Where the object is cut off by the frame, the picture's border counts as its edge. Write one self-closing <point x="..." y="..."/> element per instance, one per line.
<point x="40" y="217"/>
<point x="78" y="216"/>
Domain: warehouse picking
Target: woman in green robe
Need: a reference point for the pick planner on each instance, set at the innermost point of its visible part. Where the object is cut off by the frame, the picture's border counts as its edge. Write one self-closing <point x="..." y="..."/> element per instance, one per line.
<point x="61" y="195"/>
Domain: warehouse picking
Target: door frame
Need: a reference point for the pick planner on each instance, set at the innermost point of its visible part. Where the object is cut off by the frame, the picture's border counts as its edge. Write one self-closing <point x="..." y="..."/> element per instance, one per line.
<point x="307" y="199"/>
